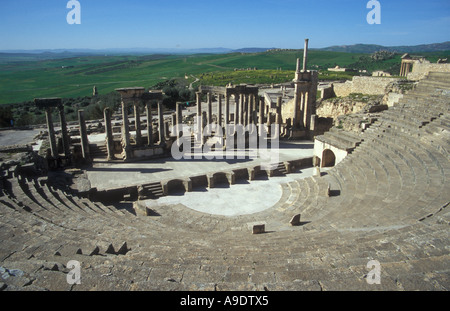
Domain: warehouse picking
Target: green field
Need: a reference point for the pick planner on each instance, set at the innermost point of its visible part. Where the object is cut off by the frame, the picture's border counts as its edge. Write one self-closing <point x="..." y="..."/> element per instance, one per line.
<point x="23" y="79"/>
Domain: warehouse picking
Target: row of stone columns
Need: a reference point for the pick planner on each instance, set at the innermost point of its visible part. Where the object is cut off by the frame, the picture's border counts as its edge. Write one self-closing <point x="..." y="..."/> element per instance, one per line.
<point x="249" y="109"/>
<point x="48" y="104"/>
<point x="126" y="144"/>
<point x="134" y="97"/>
<point x="405" y="68"/>
<point x="244" y="110"/>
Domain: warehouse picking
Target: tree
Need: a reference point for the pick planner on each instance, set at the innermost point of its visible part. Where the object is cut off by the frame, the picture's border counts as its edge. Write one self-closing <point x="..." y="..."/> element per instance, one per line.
<point x="6" y="116"/>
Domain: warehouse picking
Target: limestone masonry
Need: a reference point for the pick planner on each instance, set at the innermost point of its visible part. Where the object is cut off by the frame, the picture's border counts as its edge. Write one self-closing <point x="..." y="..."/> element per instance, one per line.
<point x="109" y="195"/>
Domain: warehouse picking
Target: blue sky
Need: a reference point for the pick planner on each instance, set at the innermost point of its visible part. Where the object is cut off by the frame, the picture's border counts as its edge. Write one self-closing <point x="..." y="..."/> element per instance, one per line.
<point x="32" y="24"/>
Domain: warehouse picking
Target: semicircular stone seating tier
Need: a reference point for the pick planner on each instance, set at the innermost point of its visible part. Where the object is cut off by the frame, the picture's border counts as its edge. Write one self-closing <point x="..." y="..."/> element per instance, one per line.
<point x="386" y="201"/>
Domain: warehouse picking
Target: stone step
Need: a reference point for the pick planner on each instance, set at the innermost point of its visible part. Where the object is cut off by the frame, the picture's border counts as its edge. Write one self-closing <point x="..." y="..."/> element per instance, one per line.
<point x="431" y="84"/>
<point x="151" y="191"/>
<point x="64" y="200"/>
<point x="22" y="194"/>
<point x="438" y="76"/>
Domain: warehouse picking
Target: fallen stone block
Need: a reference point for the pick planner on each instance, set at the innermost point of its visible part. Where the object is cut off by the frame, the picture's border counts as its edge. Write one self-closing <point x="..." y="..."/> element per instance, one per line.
<point x="295" y="220"/>
<point x="258" y="229"/>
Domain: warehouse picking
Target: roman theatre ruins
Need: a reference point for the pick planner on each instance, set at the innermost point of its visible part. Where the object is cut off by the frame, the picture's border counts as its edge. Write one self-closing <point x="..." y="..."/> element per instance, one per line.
<point x="110" y="195"/>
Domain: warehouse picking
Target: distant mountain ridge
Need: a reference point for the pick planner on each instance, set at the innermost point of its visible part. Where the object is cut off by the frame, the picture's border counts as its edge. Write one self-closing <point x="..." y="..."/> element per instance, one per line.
<point x="62" y="52"/>
<point x="355" y="48"/>
<point x="371" y="48"/>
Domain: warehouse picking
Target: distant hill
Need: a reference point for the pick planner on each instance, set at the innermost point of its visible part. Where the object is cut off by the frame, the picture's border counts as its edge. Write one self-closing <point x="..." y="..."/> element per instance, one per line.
<point x="371" y="48"/>
<point x="30" y="55"/>
<point x="252" y="50"/>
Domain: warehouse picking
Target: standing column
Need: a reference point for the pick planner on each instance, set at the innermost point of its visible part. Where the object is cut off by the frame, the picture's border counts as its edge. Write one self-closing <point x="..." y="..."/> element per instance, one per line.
<point x="148" y="110"/>
<point x="179" y="120"/>
<point x="137" y="123"/>
<point x="209" y="115"/>
<point x="250" y="109"/>
<point x="161" y="124"/>
<point x="278" y="120"/>
<point x="303" y="108"/>
<point x="246" y="109"/>
<point x="305" y="55"/>
<point x="84" y="136"/>
<point x="173" y="120"/>
<point x="307" y="113"/>
<point x="261" y="114"/>
<point x="269" y="122"/>
<point x="236" y="109"/>
<point x="297" y="98"/>
<point x="65" y="136"/>
<point x="227" y="109"/>
<point x="219" y="111"/>
<point x="199" y="116"/>
<point x="204" y="124"/>
<point x="278" y="116"/>
<point x="51" y="132"/>
<point x="245" y="112"/>
<point x="296" y="107"/>
<point x="125" y="131"/>
<point x="109" y="134"/>
<point x="241" y="109"/>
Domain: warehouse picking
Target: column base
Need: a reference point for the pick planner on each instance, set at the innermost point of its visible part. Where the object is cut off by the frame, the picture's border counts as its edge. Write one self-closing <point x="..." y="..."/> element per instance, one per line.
<point x="297" y="134"/>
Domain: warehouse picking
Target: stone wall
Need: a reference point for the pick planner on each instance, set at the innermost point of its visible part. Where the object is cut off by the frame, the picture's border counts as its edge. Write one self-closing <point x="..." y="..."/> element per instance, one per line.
<point x="421" y="69"/>
<point x="364" y="85"/>
<point x="319" y="147"/>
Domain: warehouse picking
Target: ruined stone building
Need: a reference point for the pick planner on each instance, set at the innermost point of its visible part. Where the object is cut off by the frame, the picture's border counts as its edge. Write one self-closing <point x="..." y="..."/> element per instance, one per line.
<point x="347" y="200"/>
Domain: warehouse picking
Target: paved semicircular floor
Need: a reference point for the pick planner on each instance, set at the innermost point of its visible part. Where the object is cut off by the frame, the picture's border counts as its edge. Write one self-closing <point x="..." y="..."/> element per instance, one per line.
<point x="235" y="200"/>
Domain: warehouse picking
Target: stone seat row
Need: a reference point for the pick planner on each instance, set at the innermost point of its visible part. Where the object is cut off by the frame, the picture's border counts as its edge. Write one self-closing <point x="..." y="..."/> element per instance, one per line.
<point x="49" y="238"/>
<point x="413" y="175"/>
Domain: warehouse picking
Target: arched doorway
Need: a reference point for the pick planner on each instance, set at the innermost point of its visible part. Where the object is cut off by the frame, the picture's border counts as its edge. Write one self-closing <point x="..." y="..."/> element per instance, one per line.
<point x="328" y="158"/>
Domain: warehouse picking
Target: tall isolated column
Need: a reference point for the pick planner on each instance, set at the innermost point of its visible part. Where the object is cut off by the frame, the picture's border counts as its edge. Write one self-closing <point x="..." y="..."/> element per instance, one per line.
<point x="305" y="55"/>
